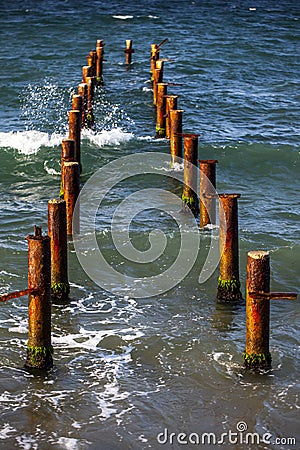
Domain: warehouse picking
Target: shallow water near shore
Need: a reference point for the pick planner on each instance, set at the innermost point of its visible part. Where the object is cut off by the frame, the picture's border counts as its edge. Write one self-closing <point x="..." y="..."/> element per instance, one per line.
<point x="128" y="369"/>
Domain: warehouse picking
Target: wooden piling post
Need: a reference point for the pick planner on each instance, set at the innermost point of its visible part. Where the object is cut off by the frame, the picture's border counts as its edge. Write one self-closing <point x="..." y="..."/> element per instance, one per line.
<point x="75" y="132"/>
<point x="77" y="103"/>
<point x="57" y="231"/>
<point x="207" y="191"/>
<point x="189" y="194"/>
<point x="99" y="60"/>
<point x="257" y="354"/>
<point x="39" y="348"/>
<point x="86" y="72"/>
<point x="90" y="100"/>
<point x="83" y="92"/>
<point x="228" y="282"/>
<point x="171" y="103"/>
<point x="154" y="56"/>
<point x="67" y="155"/>
<point x="91" y="61"/>
<point x="175" y="135"/>
<point x="158" y="78"/>
<point x="128" y="51"/>
<point x="71" y="184"/>
<point x="161" y="110"/>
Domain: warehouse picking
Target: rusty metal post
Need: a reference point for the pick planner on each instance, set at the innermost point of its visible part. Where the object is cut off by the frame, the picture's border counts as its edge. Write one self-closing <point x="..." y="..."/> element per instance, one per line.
<point x="207" y="191"/>
<point x="89" y="59"/>
<point x="90" y="100"/>
<point x="92" y="57"/>
<point x="128" y="51"/>
<point x="228" y="282"/>
<point x="160" y="131"/>
<point x="83" y="92"/>
<point x="175" y="135"/>
<point x="75" y="132"/>
<point x="158" y="78"/>
<point x="189" y="194"/>
<point x="171" y="103"/>
<point x="257" y="354"/>
<point x="67" y="155"/>
<point x="71" y="184"/>
<point x="39" y="348"/>
<point x="153" y="58"/>
<point x="99" y="61"/>
<point x="57" y="231"/>
<point x="77" y="103"/>
<point x="86" y="72"/>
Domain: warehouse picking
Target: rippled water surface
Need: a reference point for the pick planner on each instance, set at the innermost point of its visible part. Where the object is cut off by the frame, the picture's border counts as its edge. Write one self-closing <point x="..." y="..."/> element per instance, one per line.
<point x="127" y="369"/>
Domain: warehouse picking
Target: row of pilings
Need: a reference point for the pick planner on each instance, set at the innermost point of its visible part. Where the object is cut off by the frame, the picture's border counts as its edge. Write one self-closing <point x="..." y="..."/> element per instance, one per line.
<point x="169" y="124"/>
<point x="48" y="255"/>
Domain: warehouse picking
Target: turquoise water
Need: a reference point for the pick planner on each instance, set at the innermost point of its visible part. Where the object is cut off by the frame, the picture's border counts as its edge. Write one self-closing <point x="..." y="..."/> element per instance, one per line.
<point x="127" y="369"/>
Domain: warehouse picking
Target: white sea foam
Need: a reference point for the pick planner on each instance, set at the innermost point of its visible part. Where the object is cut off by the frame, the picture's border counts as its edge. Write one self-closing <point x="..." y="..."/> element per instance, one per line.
<point x="123" y="17"/>
<point x="29" y="142"/>
<point x="69" y="443"/>
<point x="6" y="430"/>
<point x="112" y="137"/>
<point x="50" y="170"/>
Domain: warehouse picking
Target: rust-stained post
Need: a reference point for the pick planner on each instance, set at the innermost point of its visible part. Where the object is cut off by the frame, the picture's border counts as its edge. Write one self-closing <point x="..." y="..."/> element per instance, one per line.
<point x="153" y="58"/>
<point x="228" y="282"/>
<point x="158" y="78"/>
<point x="91" y="61"/>
<point x="128" y="51"/>
<point x="189" y="194"/>
<point x="39" y="348"/>
<point x="83" y="92"/>
<point x="57" y="231"/>
<point x="77" y="103"/>
<point x="161" y="110"/>
<point x="67" y="155"/>
<point x="75" y="131"/>
<point x="171" y="103"/>
<point x="257" y="354"/>
<point x="207" y="191"/>
<point x="90" y="99"/>
<point x="175" y="135"/>
<point x="99" y="61"/>
<point x="71" y="184"/>
<point x="86" y="72"/>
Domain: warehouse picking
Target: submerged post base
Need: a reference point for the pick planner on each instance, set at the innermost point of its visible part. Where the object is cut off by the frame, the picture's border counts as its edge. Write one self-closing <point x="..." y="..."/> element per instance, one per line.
<point x="257" y="360"/>
<point x="229" y="290"/>
<point x="39" y="358"/>
<point x="60" y="292"/>
<point x="190" y="202"/>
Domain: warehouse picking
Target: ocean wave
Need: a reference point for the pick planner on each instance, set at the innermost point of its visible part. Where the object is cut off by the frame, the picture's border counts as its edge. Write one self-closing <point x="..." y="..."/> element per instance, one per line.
<point x="29" y="142"/>
<point x="107" y="137"/>
<point x="123" y="17"/>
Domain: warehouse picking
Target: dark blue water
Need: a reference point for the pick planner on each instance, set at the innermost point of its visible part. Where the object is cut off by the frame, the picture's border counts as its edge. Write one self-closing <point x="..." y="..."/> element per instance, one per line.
<point x="127" y="369"/>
